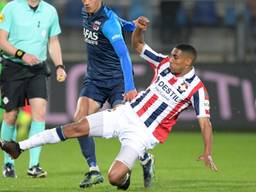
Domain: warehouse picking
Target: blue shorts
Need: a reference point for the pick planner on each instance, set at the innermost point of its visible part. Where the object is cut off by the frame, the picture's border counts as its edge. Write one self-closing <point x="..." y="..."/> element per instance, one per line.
<point x="105" y="90"/>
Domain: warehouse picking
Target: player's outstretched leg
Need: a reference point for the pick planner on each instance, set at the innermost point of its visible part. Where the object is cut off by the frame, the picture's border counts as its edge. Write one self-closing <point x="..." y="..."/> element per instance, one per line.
<point x="148" y="166"/>
<point x="12" y="148"/>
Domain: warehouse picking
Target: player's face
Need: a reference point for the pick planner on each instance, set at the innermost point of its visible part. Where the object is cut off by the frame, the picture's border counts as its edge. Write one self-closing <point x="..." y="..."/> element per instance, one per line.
<point x="178" y="61"/>
<point x="33" y="1"/>
<point x="91" y="6"/>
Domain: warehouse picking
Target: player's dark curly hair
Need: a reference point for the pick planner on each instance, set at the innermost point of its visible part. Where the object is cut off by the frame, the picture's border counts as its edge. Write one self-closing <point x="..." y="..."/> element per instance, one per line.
<point x="188" y="49"/>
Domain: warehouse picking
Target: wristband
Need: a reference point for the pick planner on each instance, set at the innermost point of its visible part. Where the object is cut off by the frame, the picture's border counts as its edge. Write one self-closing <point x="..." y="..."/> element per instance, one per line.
<point x="19" y="54"/>
<point x="60" y="66"/>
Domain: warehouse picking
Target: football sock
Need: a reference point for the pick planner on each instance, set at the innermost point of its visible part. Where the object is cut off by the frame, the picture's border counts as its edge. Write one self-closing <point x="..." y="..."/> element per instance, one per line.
<point x="94" y="168"/>
<point x="42" y="138"/>
<point x="36" y="127"/>
<point x="87" y="146"/>
<point x="145" y="158"/>
<point x="8" y="132"/>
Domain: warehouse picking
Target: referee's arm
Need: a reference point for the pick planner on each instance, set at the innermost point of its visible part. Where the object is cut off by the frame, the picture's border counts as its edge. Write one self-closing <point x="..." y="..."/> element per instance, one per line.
<point x="55" y="50"/>
<point x="56" y="56"/>
<point x="5" y="45"/>
<point x="11" y="50"/>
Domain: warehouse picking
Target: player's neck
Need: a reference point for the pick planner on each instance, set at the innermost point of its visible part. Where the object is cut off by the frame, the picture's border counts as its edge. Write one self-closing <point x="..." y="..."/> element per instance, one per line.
<point x="186" y="71"/>
<point x="97" y="8"/>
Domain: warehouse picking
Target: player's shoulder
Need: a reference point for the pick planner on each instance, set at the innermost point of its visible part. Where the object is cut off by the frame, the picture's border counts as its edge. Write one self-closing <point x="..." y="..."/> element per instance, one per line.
<point x="112" y="21"/>
<point x="111" y="15"/>
<point x="49" y="7"/>
<point x="11" y="4"/>
<point x="196" y="82"/>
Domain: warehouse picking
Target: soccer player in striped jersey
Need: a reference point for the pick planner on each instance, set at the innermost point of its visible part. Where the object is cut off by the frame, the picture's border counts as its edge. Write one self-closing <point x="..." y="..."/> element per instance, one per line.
<point x="146" y="120"/>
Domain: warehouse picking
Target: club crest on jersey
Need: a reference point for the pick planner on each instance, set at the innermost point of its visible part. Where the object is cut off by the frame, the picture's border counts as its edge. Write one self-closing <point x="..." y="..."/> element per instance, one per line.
<point x="96" y="25"/>
<point x="183" y="87"/>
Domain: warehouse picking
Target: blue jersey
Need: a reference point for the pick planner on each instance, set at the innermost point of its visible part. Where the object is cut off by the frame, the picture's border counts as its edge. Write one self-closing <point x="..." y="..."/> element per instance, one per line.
<point x="108" y="56"/>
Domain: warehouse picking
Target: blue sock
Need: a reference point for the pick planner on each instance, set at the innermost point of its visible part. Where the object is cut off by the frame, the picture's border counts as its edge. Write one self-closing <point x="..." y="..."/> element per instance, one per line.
<point x="60" y="133"/>
<point x="36" y="127"/>
<point x="87" y="146"/>
<point x="8" y="132"/>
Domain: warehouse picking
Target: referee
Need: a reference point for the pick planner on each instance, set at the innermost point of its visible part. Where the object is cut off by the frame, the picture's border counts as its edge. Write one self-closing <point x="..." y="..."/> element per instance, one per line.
<point x="27" y="28"/>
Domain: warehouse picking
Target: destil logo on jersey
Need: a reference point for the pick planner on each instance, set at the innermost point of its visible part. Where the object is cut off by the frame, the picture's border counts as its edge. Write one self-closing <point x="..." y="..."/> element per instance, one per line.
<point x="166" y="91"/>
<point x="91" y="37"/>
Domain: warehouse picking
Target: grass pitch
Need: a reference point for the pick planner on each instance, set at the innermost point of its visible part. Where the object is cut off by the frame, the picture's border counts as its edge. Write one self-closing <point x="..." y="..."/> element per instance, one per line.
<point x="176" y="167"/>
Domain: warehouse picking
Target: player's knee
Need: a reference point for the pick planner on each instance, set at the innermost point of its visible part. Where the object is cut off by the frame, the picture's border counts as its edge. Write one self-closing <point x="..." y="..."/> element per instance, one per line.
<point x="114" y="177"/>
<point x="79" y="115"/>
<point x="10" y="117"/>
<point x="39" y="116"/>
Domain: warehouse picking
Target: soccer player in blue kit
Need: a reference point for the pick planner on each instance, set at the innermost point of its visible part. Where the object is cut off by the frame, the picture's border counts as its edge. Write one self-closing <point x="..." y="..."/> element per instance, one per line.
<point x="109" y="78"/>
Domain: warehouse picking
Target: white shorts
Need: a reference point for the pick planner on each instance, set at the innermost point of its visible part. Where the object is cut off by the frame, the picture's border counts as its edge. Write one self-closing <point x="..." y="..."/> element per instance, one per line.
<point x="123" y="123"/>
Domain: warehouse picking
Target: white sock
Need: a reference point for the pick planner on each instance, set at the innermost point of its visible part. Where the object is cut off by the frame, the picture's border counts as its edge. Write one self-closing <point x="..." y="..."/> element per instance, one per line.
<point x="42" y="138"/>
<point x="96" y="168"/>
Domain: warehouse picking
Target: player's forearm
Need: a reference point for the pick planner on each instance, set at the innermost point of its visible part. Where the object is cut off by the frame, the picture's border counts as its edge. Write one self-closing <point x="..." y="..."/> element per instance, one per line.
<point x="128" y="76"/>
<point x="138" y="40"/>
<point x="207" y="136"/>
<point x="126" y="63"/>
<point x="55" y="51"/>
<point x="5" y="45"/>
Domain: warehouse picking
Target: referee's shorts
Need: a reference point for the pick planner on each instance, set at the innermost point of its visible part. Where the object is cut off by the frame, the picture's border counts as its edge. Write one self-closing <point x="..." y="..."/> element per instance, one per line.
<point x="20" y="82"/>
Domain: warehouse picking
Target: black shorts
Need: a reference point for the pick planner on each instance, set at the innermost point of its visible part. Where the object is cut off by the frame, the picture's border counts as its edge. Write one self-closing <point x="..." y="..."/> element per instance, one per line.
<point x="20" y="83"/>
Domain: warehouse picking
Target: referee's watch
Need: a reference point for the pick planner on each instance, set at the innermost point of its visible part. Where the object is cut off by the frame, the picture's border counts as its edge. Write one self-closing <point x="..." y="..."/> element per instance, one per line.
<point x="19" y="54"/>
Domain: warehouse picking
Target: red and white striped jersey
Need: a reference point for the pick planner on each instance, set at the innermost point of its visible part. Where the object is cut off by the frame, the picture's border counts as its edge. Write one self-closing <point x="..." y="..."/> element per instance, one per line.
<point x="168" y="95"/>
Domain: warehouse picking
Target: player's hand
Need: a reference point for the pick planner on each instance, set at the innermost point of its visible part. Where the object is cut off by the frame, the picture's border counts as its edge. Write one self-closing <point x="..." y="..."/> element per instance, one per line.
<point x="136" y="22"/>
<point x="30" y="59"/>
<point x="60" y="74"/>
<point x="208" y="161"/>
<point x="142" y="22"/>
<point x="130" y="95"/>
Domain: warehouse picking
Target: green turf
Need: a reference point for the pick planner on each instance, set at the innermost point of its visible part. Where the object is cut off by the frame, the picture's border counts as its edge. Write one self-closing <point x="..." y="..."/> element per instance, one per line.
<point x="176" y="167"/>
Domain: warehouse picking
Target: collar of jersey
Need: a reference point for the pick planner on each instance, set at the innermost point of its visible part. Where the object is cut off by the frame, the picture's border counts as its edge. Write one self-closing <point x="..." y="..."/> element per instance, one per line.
<point x="190" y="75"/>
<point x="25" y="4"/>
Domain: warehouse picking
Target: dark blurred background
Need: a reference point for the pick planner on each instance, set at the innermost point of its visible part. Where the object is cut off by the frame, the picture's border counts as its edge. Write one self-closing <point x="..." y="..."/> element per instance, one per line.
<point x="223" y="31"/>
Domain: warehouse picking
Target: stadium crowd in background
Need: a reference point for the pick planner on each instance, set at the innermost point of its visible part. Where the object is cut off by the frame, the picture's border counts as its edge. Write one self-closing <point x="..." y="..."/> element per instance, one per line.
<point x="145" y="121"/>
<point x="24" y="73"/>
